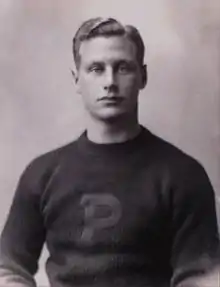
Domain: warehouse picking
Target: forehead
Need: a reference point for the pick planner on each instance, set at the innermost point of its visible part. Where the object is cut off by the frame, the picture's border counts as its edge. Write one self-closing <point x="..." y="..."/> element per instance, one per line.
<point x="107" y="49"/>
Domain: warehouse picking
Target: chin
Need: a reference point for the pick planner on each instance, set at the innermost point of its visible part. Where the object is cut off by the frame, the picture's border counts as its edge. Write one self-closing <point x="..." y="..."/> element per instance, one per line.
<point x="111" y="116"/>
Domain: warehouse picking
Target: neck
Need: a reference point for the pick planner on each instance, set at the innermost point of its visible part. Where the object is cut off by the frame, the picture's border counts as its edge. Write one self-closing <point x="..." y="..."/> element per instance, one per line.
<point x="112" y="132"/>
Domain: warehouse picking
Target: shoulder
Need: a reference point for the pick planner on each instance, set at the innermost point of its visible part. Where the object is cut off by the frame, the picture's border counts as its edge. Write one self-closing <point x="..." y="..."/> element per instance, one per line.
<point x="188" y="187"/>
<point x="43" y="167"/>
<point x="173" y="157"/>
<point x="178" y="168"/>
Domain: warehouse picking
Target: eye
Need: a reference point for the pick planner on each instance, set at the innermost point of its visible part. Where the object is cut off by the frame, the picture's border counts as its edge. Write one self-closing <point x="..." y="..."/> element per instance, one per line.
<point x="124" y="68"/>
<point x="98" y="69"/>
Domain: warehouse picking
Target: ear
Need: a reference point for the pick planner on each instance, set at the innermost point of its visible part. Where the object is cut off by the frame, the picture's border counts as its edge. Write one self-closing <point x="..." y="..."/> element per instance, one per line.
<point x="76" y="80"/>
<point x="75" y="76"/>
<point x="144" y="77"/>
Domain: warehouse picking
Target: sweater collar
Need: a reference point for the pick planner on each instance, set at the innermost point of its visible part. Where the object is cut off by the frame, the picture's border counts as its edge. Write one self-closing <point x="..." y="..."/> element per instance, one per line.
<point x="128" y="146"/>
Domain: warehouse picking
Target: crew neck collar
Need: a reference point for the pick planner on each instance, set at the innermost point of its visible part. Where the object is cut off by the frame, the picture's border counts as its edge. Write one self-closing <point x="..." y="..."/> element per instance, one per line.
<point x="86" y="144"/>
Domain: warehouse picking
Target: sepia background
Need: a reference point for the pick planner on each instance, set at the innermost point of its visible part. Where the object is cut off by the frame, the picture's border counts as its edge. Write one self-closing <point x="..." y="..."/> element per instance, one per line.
<point x="39" y="107"/>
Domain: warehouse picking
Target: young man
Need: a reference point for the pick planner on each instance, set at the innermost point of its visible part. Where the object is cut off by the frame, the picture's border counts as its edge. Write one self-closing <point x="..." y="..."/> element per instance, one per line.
<point x="118" y="206"/>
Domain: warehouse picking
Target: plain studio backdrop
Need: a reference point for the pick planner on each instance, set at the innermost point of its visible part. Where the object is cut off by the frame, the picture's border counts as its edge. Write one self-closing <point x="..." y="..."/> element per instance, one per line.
<point x="39" y="107"/>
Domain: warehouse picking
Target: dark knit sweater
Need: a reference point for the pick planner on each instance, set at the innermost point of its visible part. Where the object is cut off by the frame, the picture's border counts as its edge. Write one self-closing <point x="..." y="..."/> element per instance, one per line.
<point x="138" y="213"/>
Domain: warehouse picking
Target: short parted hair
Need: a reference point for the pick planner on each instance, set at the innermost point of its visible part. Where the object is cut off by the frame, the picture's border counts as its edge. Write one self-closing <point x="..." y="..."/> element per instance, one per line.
<point x="106" y="27"/>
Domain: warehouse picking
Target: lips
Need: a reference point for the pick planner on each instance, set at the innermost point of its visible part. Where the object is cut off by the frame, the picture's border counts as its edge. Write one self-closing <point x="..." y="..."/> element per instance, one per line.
<point x="111" y="99"/>
<point x="112" y="102"/>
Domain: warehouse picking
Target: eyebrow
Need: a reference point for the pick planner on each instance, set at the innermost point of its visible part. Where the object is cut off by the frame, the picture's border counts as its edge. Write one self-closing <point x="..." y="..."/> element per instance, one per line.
<point x="116" y="63"/>
<point x="125" y="61"/>
<point x="95" y="63"/>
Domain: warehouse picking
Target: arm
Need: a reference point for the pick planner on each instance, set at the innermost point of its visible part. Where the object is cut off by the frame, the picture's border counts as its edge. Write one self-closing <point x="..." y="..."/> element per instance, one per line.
<point x="23" y="235"/>
<point x="195" y="246"/>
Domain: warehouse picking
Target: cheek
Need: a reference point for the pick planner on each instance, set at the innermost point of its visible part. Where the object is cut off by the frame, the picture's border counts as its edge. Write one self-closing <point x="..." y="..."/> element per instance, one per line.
<point x="85" y="87"/>
<point x="129" y="84"/>
<point x="89" y="90"/>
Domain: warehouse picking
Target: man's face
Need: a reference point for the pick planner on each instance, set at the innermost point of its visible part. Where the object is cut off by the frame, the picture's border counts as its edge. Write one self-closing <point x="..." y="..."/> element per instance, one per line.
<point x="109" y="77"/>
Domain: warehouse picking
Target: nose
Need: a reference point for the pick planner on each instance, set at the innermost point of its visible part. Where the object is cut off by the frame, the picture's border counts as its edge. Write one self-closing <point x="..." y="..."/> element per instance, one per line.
<point x="110" y="79"/>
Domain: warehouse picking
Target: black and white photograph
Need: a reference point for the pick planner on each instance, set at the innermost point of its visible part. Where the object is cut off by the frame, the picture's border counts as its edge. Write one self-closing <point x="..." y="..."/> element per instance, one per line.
<point x="110" y="143"/>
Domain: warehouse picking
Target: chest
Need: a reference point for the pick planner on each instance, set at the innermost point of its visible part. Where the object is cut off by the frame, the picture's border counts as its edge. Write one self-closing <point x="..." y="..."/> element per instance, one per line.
<point x="105" y="205"/>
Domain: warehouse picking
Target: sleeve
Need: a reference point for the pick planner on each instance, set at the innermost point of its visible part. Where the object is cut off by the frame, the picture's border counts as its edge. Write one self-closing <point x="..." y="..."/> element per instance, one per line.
<point x="195" y="239"/>
<point x="23" y="235"/>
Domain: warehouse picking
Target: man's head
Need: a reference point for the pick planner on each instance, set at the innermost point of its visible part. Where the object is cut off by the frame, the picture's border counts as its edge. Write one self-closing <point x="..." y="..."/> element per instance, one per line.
<point x="110" y="71"/>
<point x="106" y="27"/>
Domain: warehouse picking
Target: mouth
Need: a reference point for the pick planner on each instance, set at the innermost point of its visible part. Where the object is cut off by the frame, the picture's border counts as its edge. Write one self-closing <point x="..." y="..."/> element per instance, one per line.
<point x="111" y="99"/>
